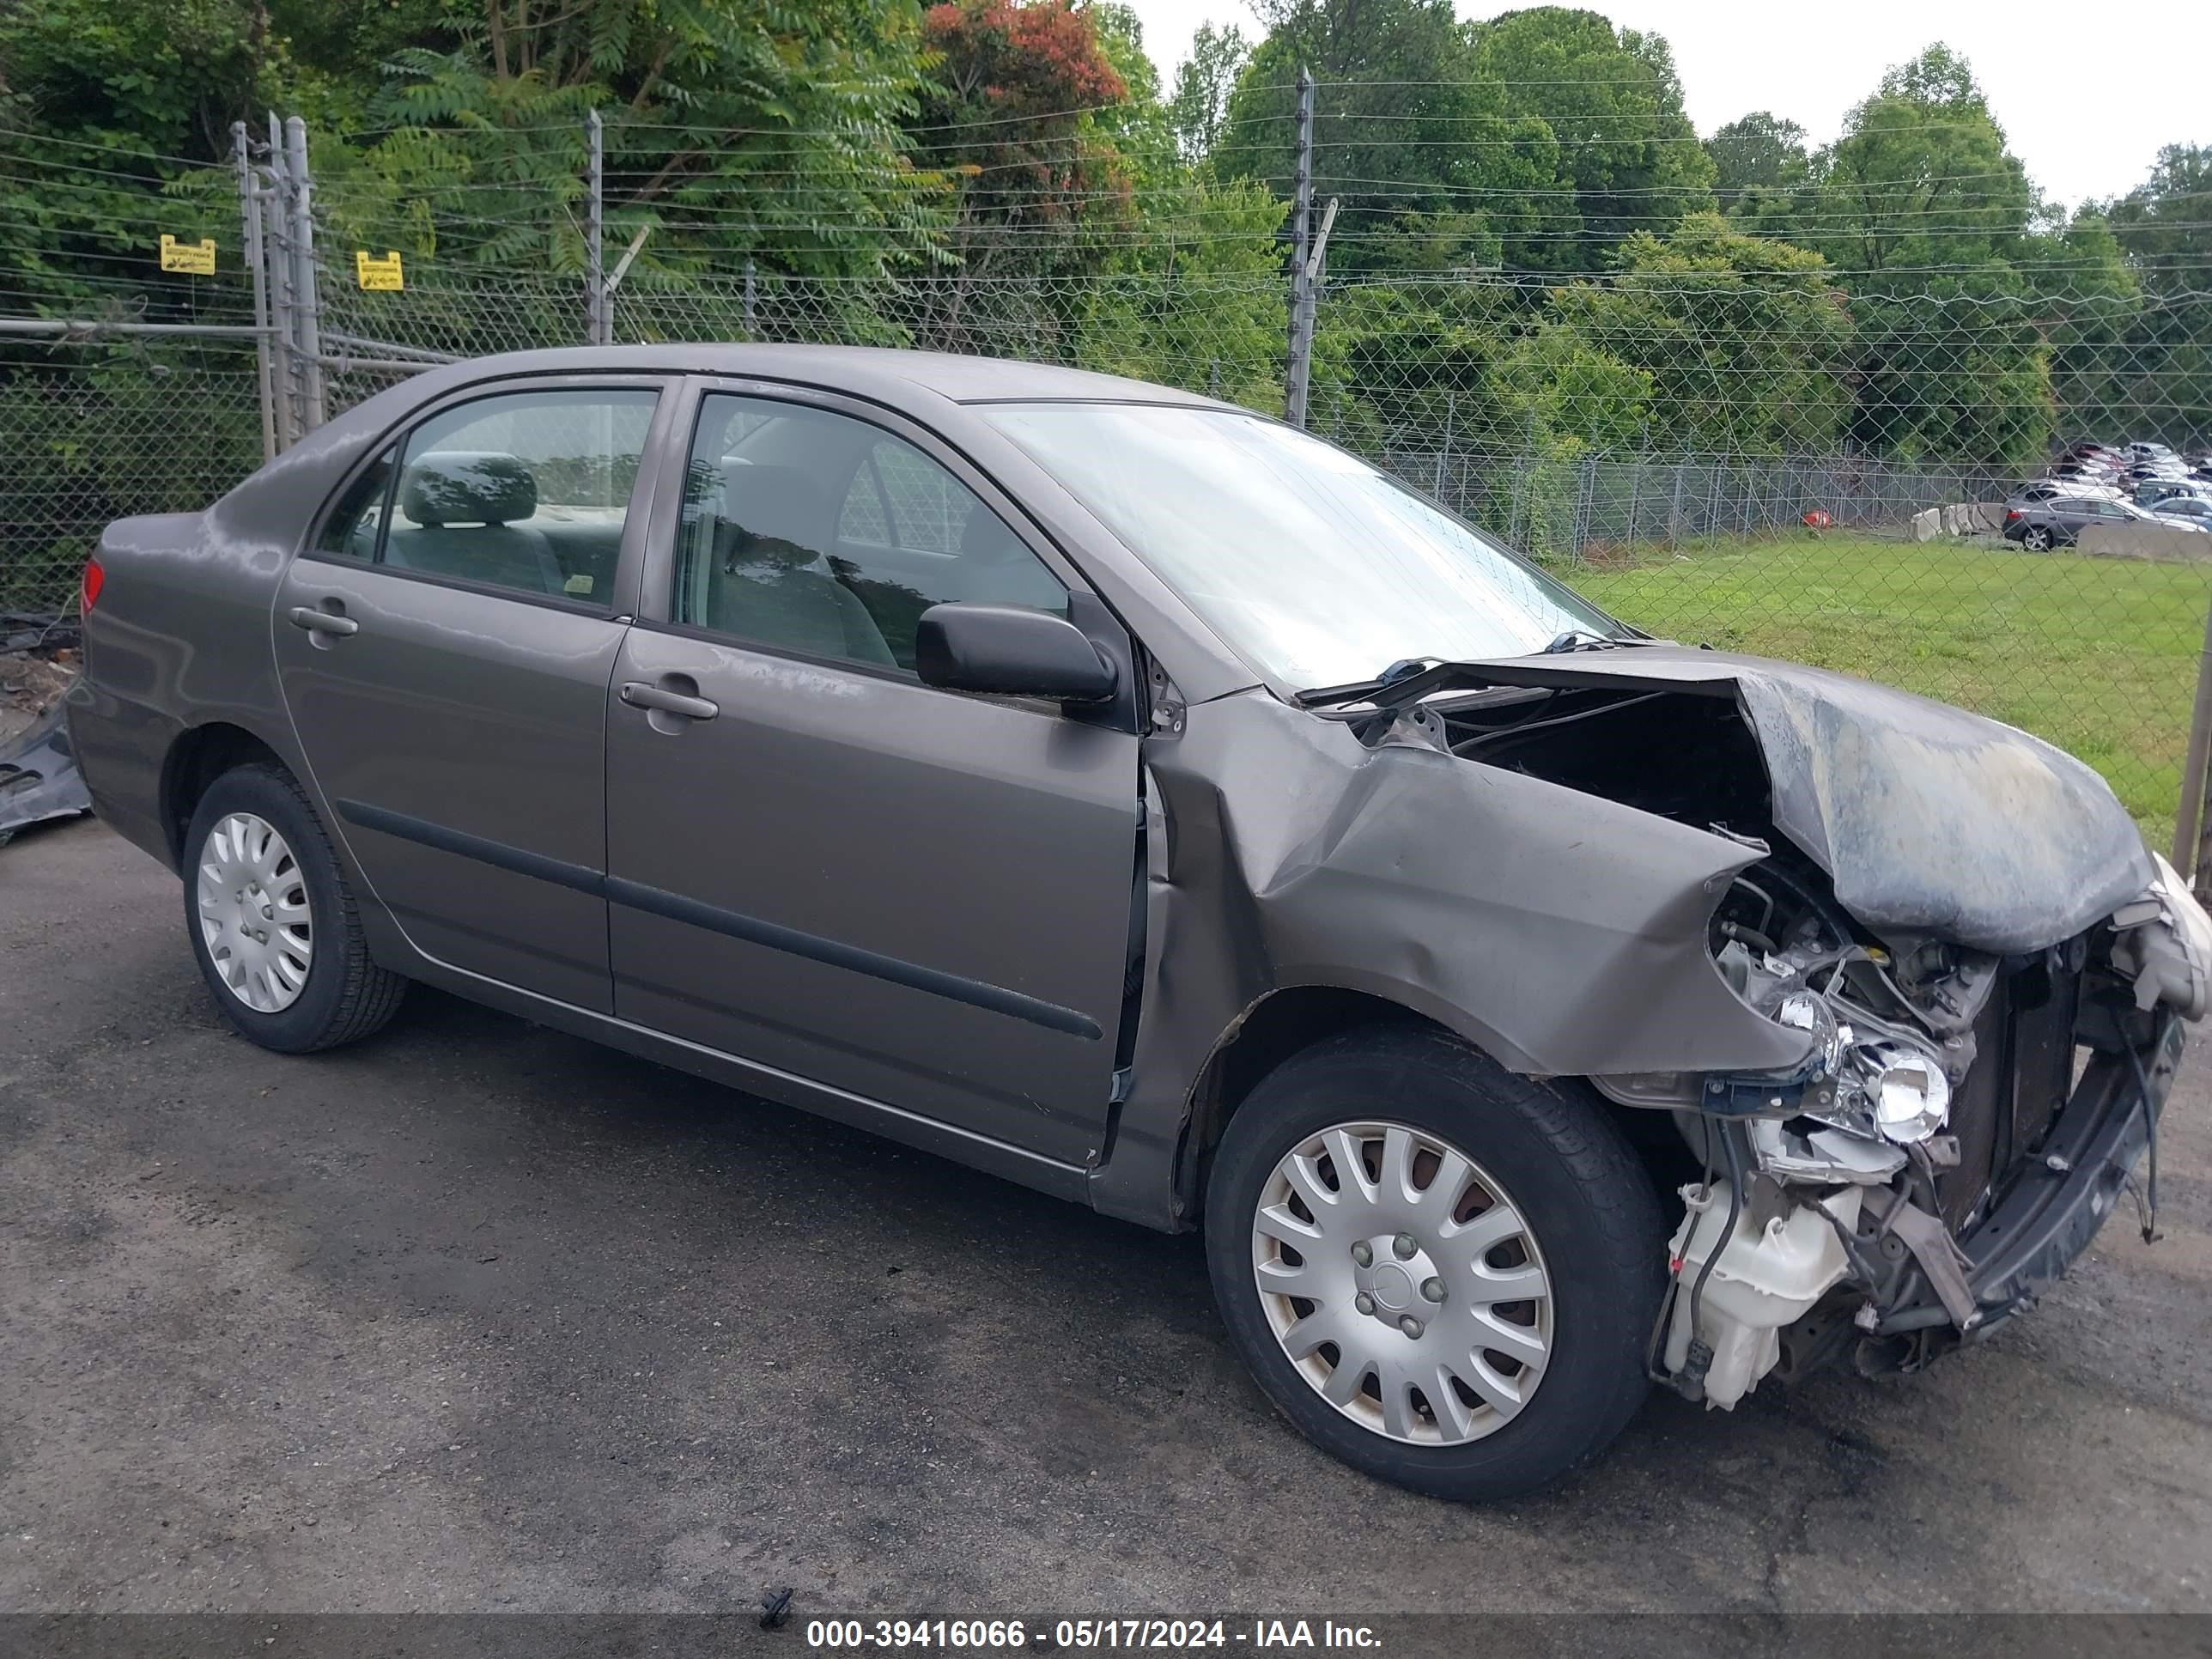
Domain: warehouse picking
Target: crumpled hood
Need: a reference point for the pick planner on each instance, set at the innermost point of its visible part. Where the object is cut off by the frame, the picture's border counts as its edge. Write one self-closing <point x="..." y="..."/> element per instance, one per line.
<point x="1931" y="822"/>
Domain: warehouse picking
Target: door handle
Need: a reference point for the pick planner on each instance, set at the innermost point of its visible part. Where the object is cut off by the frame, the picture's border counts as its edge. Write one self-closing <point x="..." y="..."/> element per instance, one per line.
<point x="638" y="695"/>
<point x="323" y="622"/>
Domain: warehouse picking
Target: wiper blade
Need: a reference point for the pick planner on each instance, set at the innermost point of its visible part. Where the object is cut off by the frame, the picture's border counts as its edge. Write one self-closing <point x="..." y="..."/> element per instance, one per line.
<point x="1581" y="639"/>
<point x="1411" y="678"/>
<point x="1405" y="668"/>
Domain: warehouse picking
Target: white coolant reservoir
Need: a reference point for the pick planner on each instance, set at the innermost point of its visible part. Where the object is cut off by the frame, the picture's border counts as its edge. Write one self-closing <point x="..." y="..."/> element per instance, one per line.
<point x="1766" y="1277"/>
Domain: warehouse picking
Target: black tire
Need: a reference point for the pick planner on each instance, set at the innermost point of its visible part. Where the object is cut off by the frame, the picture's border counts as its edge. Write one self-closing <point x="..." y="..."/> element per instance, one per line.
<point x="345" y="996"/>
<point x="2036" y="539"/>
<point x="1586" y="1200"/>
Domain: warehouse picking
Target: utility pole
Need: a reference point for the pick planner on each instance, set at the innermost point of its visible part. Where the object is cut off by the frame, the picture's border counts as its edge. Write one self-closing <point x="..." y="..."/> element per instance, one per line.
<point x="1299" y="370"/>
<point x="599" y="304"/>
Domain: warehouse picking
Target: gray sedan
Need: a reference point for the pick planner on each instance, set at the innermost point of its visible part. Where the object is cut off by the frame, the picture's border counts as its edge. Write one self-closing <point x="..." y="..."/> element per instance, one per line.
<point x="1140" y="799"/>
<point x="2039" y="525"/>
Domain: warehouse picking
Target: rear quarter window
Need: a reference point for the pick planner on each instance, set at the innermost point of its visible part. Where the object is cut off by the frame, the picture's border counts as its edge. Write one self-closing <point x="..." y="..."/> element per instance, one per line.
<point x="356" y="519"/>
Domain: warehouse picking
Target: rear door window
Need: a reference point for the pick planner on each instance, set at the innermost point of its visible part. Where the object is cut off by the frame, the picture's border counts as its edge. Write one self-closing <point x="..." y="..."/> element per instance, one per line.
<point x="527" y="491"/>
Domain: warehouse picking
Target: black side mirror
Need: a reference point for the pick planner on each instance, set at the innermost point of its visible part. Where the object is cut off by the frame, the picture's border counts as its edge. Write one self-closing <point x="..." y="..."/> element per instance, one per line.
<point x="1010" y="652"/>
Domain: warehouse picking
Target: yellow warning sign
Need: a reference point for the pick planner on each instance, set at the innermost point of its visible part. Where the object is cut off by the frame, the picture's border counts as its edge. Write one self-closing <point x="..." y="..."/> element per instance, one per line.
<point x="378" y="276"/>
<point x="194" y="258"/>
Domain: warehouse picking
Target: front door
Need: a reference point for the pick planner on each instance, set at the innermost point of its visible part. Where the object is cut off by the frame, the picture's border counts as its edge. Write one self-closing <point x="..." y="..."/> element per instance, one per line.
<point x="444" y="645"/>
<point x="817" y="863"/>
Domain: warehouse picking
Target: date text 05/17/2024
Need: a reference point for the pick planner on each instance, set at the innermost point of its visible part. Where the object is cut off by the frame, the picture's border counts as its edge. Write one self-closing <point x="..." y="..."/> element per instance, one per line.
<point x="831" y="1635"/>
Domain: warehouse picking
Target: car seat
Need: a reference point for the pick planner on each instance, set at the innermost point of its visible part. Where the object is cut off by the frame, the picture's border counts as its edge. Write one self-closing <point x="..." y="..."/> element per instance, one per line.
<point x="770" y="579"/>
<point x="446" y="490"/>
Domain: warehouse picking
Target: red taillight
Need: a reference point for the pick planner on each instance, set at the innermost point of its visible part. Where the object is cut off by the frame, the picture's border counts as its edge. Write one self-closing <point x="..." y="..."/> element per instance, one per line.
<point x="94" y="579"/>
<point x="2010" y="514"/>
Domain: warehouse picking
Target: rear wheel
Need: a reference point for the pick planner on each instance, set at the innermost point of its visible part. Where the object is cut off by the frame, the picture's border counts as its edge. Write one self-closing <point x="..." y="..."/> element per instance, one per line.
<point x="1443" y="1274"/>
<point x="272" y="921"/>
<point x="2036" y="539"/>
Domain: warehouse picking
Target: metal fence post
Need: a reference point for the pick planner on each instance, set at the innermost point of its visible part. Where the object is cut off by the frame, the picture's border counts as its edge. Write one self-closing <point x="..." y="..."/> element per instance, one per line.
<point x="305" y="317"/>
<point x="276" y="250"/>
<point x="1444" y="454"/>
<point x="2190" y="855"/>
<point x="752" y="322"/>
<point x="1298" y="370"/>
<point x="249" y="214"/>
<point x="1635" y="487"/>
<point x="1585" y="503"/>
<point x="1523" y="524"/>
<point x="598" y="307"/>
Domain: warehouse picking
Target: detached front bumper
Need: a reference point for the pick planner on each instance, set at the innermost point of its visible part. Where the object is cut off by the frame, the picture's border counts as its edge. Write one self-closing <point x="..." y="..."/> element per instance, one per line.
<point x="2056" y="1203"/>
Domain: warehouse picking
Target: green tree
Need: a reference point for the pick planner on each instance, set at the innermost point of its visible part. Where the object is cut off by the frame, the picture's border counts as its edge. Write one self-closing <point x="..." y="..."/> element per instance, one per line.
<point x="2156" y="370"/>
<point x="1431" y="167"/>
<point x="1945" y="247"/>
<point x="1187" y="292"/>
<point x="1012" y="115"/>
<point x="1758" y="151"/>
<point x="107" y="109"/>
<point x="735" y="129"/>
<point x="1630" y="153"/>
<point x="1920" y="177"/>
<point x="1746" y="341"/>
<point x="1203" y="83"/>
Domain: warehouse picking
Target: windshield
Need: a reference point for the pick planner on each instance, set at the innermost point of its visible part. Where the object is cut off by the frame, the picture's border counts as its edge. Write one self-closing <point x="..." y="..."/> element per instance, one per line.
<point x="1316" y="568"/>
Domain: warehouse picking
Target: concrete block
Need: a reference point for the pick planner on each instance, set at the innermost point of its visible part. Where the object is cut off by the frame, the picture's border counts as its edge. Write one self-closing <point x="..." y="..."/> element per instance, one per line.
<point x="2145" y="541"/>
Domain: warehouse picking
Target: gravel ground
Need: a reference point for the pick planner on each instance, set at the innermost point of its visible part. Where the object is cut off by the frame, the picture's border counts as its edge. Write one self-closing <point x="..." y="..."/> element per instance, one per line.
<point x="30" y="686"/>
<point x="479" y="1316"/>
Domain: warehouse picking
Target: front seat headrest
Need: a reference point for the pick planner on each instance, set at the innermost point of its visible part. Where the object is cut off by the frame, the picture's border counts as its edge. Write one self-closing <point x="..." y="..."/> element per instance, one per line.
<point x="457" y="486"/>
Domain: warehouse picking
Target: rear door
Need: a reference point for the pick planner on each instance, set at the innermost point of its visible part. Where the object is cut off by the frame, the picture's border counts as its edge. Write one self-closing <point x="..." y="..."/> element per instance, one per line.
<point x="816" y="862"/>
<point x="445" y="643"/>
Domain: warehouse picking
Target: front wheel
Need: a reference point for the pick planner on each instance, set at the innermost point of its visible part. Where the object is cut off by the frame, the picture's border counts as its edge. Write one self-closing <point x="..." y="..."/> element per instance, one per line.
<point x="1442" y="1272"/>
<point x="272" y="921"/>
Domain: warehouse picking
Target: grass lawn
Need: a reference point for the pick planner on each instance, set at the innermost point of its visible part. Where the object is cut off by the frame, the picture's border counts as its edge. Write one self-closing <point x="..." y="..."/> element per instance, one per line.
<point x="2096" y="655"/>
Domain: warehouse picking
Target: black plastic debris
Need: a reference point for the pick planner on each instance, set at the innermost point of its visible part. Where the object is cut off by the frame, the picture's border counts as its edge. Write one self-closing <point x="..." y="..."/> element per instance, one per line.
<point x="38" y="630"/>
<point x="775" y="1608"/>
<point x="39" y="778"/>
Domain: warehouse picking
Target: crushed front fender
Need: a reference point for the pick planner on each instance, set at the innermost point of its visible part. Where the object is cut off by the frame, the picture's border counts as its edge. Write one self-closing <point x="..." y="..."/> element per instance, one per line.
<point x="1561" y="933"/>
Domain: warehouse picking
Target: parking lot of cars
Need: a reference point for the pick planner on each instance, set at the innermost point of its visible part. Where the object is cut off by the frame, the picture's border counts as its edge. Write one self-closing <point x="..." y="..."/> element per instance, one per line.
<point x="2091" y="484"/>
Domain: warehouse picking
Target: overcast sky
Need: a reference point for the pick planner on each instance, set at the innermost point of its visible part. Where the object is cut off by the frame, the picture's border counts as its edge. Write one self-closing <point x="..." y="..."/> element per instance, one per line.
<point x="2086" y="93"/>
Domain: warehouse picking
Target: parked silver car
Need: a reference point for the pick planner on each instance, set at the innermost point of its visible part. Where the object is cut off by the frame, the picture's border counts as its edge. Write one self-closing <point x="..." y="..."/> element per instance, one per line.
<point x="1137" y="797"/>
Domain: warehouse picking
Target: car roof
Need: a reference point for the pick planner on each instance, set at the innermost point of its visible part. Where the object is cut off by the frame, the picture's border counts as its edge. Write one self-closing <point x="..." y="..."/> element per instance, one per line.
<point x="883" y="371"/>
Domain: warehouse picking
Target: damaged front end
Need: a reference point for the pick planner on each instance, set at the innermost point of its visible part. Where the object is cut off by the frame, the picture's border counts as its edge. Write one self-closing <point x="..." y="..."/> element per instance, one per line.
<point x="1964" y="1125"/>
<point x="1986" y="970"/>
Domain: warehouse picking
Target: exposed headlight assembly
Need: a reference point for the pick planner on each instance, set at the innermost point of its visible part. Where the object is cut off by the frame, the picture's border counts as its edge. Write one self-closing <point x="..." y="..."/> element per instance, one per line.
<point x="1905" y="1090"/>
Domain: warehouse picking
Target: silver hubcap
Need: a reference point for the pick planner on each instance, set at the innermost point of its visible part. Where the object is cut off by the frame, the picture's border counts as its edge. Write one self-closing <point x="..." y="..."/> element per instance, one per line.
<point x="253" y="913"/>
<point x="1402" y="1283"/>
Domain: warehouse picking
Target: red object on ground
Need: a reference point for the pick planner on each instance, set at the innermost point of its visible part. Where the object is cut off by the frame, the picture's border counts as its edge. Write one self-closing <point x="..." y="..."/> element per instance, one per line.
<point x="1818" y="519"/>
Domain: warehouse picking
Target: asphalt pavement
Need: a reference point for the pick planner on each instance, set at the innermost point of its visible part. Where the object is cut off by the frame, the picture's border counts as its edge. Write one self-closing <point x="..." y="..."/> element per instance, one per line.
<point x="476" y="1316"/>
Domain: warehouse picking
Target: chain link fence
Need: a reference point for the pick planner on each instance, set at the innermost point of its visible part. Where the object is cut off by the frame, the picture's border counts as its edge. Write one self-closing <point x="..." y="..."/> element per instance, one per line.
<point x="92" y="433"/>
<point x="1774" y="461"/>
